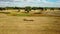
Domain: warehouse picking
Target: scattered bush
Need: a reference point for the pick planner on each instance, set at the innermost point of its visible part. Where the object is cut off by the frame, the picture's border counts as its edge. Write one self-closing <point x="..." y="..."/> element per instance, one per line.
<point x="5" y="12"/>
<point x="37" y="13"/>
<point x="19" y="14"/>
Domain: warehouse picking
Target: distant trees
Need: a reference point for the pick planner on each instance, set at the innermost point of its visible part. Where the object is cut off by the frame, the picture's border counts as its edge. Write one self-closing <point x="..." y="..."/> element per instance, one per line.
<point x="27" y="9"/>
<point x="34" y="8"/>
<point x="17" y="9"/>
<point x="51" y="8"/>
<point x="59" y="8"/>
<point x="2" y="9"/>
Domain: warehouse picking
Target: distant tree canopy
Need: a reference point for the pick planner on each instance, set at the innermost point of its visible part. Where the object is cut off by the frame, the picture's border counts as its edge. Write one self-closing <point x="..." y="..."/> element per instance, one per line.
<point x="34" y="8"/>
<point x="2" y="8"/>
<point x="27" y="9"/>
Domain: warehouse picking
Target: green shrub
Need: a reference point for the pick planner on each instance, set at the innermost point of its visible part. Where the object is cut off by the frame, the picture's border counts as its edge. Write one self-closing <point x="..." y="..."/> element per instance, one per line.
<point x="37" y="13"/>
<point x="5" y="12"/>
<point x="23" y="14"/>
<point x="19" y="14"/>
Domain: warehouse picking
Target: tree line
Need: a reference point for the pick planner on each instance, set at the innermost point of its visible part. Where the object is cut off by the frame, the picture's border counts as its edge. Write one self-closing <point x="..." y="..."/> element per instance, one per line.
<point x="28" y="8"/>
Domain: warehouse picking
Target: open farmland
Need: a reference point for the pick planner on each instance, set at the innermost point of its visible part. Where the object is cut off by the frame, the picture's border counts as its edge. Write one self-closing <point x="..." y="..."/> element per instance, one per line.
<point x="39" y="25"/>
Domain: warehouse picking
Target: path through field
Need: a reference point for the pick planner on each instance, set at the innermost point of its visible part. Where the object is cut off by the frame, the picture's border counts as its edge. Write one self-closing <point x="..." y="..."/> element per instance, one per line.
<point x="40" y="25"/>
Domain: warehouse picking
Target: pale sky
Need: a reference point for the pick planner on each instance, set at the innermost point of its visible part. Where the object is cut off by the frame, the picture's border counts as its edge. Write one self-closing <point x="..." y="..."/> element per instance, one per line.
<point x="34" y="3"/>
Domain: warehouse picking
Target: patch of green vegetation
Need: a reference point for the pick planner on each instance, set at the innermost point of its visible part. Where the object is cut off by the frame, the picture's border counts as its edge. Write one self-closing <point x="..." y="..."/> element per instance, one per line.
<point x="24" y="14"/>
<point x="19" y="14"/>
<point x="5" y="12"/>
<point x="38" y="13"/>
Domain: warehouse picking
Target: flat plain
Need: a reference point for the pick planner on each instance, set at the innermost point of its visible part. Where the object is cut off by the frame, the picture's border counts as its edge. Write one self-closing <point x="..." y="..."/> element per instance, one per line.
<point x="39" y="25"/>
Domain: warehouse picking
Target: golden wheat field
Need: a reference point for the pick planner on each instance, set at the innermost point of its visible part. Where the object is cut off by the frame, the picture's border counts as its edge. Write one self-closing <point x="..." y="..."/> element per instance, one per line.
<point x="39" y="25"/>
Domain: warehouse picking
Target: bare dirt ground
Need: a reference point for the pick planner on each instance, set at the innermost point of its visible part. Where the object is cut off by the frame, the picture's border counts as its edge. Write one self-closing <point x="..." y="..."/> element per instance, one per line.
<point x="40" y="25"/>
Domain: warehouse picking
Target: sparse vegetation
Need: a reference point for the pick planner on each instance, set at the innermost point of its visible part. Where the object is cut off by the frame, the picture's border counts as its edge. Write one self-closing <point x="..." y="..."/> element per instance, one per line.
<point x="13" y="21"/>
<point x="26" y="11"/>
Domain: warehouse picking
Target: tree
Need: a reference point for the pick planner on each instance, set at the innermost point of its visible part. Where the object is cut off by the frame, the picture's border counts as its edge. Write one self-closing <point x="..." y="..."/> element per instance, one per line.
<point x="2" y="8"/>
<point x="17" y="9"/>
<point x="34" y="8"/>
<point x="27" y="9"/>
<point x="52" y="9"/>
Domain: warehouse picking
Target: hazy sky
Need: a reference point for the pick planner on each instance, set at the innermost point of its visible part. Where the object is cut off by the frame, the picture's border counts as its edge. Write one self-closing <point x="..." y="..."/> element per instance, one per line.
<point x="22" y="3"/>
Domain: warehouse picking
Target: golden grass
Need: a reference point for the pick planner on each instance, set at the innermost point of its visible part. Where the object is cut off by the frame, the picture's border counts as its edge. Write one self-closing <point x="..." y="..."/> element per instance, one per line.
<point x="40" y="25"/>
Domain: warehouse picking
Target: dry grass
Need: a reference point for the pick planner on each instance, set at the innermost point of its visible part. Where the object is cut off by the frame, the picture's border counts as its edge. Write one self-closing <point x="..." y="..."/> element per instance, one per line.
<point x="40" y="25"/>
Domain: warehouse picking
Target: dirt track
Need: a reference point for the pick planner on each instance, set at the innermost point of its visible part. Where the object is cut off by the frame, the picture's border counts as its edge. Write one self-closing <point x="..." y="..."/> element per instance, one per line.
<point x="40" y="25"/>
